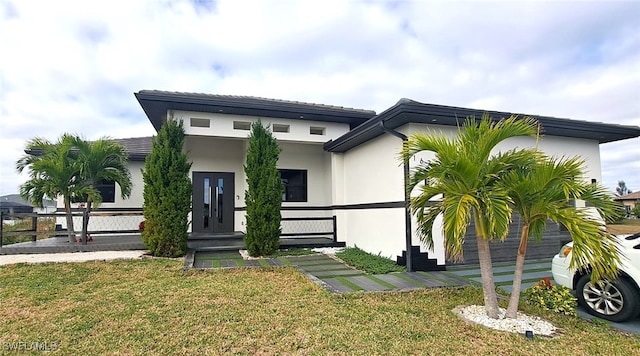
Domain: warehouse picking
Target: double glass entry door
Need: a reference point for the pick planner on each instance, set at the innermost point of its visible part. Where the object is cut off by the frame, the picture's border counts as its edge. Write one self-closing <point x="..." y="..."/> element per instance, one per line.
<point x="212" y="203"/>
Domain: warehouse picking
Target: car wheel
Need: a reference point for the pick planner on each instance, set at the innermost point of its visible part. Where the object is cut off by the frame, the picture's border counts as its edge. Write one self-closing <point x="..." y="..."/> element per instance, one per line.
<point x="615" y="301"/>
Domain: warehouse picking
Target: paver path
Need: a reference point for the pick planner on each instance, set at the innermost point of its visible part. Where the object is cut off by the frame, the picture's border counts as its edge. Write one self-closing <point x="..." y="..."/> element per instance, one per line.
<point x="336" y="276"/>
<point x="533" y="272"/>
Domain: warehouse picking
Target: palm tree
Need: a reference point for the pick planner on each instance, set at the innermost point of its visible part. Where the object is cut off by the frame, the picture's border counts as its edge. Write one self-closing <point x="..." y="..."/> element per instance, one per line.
<point x="543" y="191"/>
<point x="52" y="171"/>
<point x="99" y="161"/>
<point x="463" y="177"/>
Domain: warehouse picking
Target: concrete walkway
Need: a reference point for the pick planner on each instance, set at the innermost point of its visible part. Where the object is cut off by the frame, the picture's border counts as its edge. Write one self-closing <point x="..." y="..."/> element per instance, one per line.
<point x="334" y="275"/>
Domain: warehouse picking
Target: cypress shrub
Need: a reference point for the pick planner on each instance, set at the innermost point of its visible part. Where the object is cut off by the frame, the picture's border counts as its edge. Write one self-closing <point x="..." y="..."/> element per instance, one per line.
<point x="167" y="193"/>
<point x="263" y="197"/>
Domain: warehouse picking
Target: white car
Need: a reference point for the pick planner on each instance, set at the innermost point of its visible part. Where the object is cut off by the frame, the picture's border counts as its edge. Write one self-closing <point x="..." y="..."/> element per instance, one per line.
<point x="617" y="300"/>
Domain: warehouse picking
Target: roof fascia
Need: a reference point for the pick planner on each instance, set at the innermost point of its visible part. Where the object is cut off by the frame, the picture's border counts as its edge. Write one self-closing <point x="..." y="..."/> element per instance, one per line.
<point x="157" y="104"/>
<point x="408" y="111"/>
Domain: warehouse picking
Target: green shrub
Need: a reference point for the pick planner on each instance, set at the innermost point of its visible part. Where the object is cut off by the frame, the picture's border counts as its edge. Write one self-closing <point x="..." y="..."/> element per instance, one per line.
<point x="167" y="193"/>
<point x="546" y="296"/>
<point x="263" y="197"/>
<point x="636" y="210"/>
<point x="369" y="263"/>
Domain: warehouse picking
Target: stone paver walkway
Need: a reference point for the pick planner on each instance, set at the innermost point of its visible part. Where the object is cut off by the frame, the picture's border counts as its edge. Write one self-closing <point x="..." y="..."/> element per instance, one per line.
<point x="533" y="272"/>
<point x="336" y="276"/>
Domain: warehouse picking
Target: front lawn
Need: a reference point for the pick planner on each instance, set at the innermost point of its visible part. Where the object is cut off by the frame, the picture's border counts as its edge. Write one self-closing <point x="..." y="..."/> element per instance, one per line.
<point x="151" y="307"/>
<point x="626" y="226"/>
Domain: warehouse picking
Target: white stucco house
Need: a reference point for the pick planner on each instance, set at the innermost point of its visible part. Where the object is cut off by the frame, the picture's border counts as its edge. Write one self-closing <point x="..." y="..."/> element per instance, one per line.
<point x="335" y="161"/>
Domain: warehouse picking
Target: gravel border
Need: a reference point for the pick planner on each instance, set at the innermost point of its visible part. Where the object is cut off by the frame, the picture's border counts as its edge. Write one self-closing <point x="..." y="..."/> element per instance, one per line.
<point x="521" y="325"/>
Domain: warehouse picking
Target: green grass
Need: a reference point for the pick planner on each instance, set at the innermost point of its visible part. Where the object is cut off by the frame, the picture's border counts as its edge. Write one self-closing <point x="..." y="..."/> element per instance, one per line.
<point x="367" y="262"/>
<point x="150" y="306"/>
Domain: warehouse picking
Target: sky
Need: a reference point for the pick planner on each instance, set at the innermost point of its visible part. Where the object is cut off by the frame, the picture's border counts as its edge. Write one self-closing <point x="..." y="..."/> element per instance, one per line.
<point x="73" y="66"/>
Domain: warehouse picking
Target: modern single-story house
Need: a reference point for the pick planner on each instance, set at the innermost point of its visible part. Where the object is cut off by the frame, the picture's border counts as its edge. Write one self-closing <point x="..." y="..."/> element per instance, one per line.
<point x="336" y="161"/>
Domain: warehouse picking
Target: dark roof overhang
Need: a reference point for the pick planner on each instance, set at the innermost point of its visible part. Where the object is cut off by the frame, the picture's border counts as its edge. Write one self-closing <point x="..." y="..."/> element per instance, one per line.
<point x="138" y="148"/>
<point x="156" y="104"/>
<point x="409" y="111"/>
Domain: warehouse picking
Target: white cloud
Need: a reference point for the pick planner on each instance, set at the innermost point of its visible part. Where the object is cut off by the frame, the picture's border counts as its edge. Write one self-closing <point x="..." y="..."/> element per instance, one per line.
<point x="73" y="66"/>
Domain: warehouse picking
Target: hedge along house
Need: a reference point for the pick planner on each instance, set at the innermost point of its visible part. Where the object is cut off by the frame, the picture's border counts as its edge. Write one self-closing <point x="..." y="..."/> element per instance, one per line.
<point x="339" y="162"/>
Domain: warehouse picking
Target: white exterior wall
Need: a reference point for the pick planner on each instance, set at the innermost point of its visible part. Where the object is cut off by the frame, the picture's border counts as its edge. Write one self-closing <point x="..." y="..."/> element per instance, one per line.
<point x="222" y="125"/>
<point x="372" y="173"/>
<point x="317" y="163"/>
<point x="588" y="150"/>
<point x="360" y="172"/>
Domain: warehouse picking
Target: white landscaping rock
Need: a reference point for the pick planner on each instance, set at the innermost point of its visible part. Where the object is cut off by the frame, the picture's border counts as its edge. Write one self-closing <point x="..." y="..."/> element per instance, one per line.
<point x="520" y="325"/>
<point x="328" y="250"/>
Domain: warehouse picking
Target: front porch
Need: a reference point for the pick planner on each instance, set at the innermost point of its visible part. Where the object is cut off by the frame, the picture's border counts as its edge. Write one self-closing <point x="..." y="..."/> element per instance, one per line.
<point x="124" y="242"/>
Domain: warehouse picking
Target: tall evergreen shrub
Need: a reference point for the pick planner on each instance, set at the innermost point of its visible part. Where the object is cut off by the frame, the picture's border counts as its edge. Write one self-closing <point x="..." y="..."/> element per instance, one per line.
<point x="263" y="197"/>
<point x="167" y="193"/>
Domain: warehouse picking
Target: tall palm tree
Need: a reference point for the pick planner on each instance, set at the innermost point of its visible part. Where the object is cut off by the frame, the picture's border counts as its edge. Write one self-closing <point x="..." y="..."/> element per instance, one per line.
<point x="99" y="161"/>
<point x="53" y="172"/>
<point x="462" y="185"/>
<point x="543" y="191"/>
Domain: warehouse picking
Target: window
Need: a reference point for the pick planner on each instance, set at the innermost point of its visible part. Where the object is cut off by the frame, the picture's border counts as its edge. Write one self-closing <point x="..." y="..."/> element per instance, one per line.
<point x="107" y="190"/>
<point x="241" y="125"/>
<point x="200" y="122"/>
<point x="313" y="130"/>
<point x="280" y="128"/>
<point x="295" y="185"/>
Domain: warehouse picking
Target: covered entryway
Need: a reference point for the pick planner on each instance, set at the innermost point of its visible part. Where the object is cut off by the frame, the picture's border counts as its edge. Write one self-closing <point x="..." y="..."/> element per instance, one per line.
<point x="212" y="203"/>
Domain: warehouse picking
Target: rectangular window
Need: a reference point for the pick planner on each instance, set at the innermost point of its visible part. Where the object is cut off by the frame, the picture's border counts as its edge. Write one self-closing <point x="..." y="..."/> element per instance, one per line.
<point x="280" y="128"/>
<point x="295" y="185"/>
<point x="241" y="125"/>
<point x="316" y="130"/>
<point x="107" y="190"/>
<point x="195" y="122"/>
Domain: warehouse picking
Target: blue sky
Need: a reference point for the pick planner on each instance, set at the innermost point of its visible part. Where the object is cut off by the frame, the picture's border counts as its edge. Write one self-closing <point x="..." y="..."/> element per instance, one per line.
<point x="73" y="66"/>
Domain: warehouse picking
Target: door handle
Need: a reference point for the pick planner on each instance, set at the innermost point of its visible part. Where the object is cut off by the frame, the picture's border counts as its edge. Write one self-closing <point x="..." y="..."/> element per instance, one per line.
<point x="217" y="203"/>
<point x="210" y="202"/>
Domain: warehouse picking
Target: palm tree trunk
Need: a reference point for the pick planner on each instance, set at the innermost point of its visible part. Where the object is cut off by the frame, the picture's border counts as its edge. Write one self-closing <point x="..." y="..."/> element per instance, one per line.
<point x="85" y="221"/>
<point x="512" y="310"/>
<point x="486" y="269"/>
<point x="67" y="210"/>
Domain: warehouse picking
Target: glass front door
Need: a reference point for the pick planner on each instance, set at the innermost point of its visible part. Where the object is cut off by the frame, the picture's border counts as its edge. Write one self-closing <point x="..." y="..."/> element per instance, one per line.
<point x="212" y="201"/>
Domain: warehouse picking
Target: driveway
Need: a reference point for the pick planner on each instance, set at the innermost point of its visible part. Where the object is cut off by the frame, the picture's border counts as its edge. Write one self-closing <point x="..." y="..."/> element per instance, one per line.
<point x="533" y="272"/>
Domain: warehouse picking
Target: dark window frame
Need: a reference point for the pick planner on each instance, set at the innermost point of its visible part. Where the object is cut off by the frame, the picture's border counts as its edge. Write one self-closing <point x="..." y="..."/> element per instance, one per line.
<point x="107" y="191"/>
<point x="296" y="185"/>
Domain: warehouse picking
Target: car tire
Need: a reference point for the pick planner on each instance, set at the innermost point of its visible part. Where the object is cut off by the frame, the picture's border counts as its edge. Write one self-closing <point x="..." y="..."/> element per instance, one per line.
<point x="615" y="301"/>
